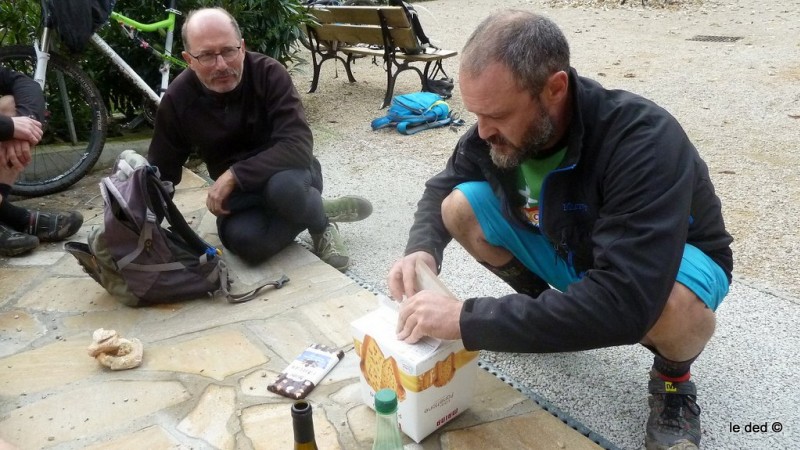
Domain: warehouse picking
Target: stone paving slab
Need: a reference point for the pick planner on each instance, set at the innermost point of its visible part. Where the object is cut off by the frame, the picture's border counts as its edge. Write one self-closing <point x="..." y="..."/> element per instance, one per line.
<point x="207" y="363"/>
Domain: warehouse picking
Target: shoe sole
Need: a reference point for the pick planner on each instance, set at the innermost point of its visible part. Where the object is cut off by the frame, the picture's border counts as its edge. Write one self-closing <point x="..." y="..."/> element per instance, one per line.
<point x="356" y="217"/>
<point x="680" y="445"/>
<point x="16" y="251"/>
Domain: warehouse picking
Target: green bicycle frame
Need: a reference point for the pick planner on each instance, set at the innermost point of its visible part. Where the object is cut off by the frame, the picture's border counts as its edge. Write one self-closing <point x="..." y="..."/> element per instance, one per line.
<point x="166" y="24"/>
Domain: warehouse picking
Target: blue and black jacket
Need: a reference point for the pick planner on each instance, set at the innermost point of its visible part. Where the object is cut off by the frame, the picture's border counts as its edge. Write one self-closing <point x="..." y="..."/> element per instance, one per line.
<point x="630" y="192"/>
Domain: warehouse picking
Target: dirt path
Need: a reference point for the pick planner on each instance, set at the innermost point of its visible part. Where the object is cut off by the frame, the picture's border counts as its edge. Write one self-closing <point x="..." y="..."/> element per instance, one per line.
<point x="739" y="101"/>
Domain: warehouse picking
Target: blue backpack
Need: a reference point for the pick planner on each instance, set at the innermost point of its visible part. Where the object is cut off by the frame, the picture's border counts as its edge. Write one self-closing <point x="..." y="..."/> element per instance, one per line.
<point x="412" y="113"/>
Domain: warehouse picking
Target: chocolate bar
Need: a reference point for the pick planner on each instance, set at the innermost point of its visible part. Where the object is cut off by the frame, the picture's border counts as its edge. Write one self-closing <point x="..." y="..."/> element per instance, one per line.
<point x="303" y="374"/>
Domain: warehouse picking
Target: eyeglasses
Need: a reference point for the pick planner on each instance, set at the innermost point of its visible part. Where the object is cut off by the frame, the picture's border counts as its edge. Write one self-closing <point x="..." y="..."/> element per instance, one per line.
<point x="209" y="59"/>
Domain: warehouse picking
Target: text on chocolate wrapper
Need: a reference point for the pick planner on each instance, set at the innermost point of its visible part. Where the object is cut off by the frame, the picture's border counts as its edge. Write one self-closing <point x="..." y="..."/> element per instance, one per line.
<point x="447" y="418"/>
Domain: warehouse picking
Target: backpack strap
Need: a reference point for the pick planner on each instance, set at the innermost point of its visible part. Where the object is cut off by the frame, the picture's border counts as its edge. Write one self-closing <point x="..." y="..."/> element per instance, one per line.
<point x="243" y="297"/>
<point x="166" y="208"/>
<point x="414" y="128"/>
<point x="163" y="206"/>
<point x="381" y="122"/>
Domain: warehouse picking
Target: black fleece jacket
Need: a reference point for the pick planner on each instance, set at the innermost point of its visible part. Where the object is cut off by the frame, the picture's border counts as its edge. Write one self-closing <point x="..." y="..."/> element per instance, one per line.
<point x="27" y="97"/>
<point x="256" y="130"/>
<point x="631" y="191"/>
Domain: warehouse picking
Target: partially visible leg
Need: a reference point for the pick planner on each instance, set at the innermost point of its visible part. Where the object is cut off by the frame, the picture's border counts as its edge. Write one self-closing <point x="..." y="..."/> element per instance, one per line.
<point x="7" y="106"/>
<point x="684" y="327"/>
<point x="295" y="196"/>
<point x="291" y="195"/>
<point x="463" y="224"/>
<point x="677" y="338"/>
<point x="253" y="235"/>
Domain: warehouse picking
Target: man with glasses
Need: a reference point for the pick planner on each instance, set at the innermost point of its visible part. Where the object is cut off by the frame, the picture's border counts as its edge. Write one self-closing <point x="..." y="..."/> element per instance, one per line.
<point x="242" y="115"/>
<point x="591" y="203"/>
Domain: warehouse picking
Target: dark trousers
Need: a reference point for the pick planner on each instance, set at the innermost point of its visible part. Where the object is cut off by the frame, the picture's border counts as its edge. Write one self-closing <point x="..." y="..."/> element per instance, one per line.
<point x="263" y="223"/>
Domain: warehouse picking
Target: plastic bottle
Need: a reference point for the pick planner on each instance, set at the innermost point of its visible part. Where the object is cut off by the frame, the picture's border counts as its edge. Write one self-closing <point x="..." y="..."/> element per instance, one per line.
<point x="303" y="424"/>
<point x="387" y="431"/>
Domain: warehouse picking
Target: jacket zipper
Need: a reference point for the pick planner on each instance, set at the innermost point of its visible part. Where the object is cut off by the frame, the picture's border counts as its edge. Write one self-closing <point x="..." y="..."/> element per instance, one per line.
<point x="560" y="246"/>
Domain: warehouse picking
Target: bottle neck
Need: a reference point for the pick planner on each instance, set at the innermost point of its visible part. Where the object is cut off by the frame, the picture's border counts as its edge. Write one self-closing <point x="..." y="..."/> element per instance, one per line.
<point x="387" y="432"/>
<point x="303" y="425"/>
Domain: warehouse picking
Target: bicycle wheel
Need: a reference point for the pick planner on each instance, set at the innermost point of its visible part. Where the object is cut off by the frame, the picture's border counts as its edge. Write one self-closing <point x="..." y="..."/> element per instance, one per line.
<point x="75" y="129"/>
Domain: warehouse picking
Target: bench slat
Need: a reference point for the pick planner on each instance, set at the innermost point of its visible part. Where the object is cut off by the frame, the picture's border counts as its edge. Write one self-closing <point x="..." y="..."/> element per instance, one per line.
<point x="366" y="34"/>
<point x="439" y="54"/>
<point x="358" y="30"/>
<point x="367" y="15"/>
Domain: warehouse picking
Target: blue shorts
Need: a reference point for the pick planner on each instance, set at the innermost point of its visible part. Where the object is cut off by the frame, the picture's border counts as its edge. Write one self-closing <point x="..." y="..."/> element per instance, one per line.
<point x="697" y="271"/>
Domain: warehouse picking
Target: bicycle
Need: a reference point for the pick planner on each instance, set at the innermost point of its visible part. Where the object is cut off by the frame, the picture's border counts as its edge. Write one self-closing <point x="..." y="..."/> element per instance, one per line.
<point x="76" y="117"/>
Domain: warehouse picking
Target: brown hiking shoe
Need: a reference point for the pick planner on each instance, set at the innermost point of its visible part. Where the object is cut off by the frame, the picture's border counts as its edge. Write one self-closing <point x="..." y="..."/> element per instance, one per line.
<point x="674" y="422"/>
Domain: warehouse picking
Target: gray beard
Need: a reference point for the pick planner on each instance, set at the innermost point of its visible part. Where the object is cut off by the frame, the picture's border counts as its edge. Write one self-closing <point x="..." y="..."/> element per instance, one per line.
<point x="533" y="145"/>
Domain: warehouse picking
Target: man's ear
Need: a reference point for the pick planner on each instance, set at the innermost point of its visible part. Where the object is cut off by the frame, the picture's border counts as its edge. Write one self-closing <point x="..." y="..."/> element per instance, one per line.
<point x="187" y="57"/>
<point x="244" y="48"/>
<point x="556" y="88"/>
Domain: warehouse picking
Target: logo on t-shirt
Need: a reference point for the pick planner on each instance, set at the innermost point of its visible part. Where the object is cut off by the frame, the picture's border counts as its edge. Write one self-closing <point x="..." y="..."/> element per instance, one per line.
<point x="531" y="207"/>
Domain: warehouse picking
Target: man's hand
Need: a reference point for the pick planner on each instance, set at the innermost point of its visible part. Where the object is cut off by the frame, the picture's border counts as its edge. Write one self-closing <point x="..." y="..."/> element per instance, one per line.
<point x="429" y="313"/>
<point x="27" y="129"/>
<point x="15" y="153"/>
<point x="403" y="274"/>
<point x="219" y="192"/>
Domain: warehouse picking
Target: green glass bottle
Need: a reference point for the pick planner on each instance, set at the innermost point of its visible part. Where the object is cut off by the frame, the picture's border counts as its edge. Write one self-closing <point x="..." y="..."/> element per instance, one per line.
<point x="387" y="431"/>
<point x="303" y="424"/>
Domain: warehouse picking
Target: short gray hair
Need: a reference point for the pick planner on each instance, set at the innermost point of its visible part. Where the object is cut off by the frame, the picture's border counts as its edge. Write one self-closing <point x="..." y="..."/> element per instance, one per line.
<point x="191" y="14"/>
<point x="530" y="45"/>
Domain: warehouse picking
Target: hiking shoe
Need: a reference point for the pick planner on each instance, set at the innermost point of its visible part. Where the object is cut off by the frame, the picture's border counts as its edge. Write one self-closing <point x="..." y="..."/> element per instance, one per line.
<point x="14" y="243"/>
<point x="349" y="208"/>
<point x="674" y="422"/>
<point x="331" y="249"/>
<point x="51" y="226"/>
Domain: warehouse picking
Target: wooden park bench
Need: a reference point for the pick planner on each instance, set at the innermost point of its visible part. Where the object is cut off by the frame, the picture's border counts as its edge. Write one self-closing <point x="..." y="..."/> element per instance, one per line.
<point x="378" y="31"/>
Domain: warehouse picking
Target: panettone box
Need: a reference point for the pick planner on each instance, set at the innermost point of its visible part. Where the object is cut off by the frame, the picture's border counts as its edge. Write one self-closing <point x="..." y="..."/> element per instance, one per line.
<point x="434" y="379"/>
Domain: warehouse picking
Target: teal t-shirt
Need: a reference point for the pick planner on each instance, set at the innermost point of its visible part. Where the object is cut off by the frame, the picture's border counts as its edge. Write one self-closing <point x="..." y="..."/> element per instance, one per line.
<point x="530" y="176"/>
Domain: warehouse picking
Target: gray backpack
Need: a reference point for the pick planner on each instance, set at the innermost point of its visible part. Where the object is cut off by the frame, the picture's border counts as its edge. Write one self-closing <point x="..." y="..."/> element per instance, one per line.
<point x="136" y="259"/>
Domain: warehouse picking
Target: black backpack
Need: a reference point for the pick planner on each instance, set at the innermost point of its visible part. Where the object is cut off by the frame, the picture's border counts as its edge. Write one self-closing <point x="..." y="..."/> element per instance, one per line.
<point x="413" y="17"/>
<point x="76" y="20"/>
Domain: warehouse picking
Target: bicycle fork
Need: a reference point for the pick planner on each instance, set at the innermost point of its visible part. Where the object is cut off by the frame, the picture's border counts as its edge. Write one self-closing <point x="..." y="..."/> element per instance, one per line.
<point x="42" y="50"/>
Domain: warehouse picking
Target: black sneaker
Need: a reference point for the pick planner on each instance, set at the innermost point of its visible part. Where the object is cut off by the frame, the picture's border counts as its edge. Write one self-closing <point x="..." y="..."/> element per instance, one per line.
<point x="14" y="243"/>
<point x="350" y="208"/>
<point x="51" y="226"/>
<point x="674" y="422"/>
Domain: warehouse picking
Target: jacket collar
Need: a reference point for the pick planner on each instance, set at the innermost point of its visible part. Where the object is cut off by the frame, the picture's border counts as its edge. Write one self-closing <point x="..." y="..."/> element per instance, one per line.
<point x="576" y="129"/>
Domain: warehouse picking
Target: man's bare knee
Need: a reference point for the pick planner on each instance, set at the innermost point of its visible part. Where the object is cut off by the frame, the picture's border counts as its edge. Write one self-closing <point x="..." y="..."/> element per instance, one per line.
<point x="460" y="221"/>
<point x="7" y="106"/>
<point x="685" y="326"/>
<point x="458" y="217"/>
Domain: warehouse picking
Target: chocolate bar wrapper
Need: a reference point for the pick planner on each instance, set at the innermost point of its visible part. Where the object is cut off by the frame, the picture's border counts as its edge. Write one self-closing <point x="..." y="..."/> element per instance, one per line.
<point x="303" y="374"/>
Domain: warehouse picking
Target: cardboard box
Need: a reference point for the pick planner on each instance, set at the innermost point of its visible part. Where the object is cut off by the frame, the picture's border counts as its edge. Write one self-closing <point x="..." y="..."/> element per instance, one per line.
<point x="434" y="379"/>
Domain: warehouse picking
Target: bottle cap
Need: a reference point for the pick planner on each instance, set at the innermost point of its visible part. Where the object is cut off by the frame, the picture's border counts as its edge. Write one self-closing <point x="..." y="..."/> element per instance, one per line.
<point x="385" y="401"/>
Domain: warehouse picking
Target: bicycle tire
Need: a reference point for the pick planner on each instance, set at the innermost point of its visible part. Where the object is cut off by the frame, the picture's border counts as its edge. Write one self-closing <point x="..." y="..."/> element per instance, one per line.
<point x="63" y="156"/>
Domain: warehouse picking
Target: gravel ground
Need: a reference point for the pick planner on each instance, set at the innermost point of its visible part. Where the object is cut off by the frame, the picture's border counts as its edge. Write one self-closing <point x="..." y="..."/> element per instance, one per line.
<point x="739" y="102"/>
